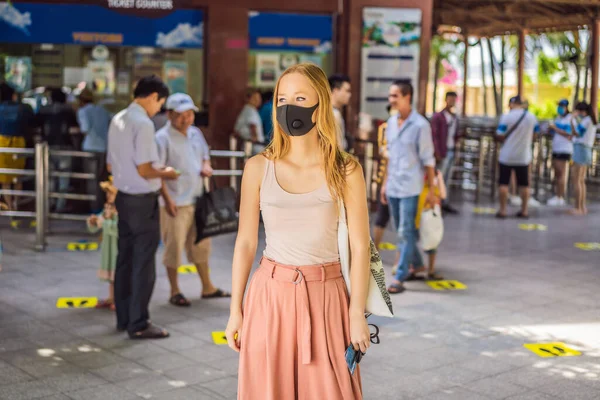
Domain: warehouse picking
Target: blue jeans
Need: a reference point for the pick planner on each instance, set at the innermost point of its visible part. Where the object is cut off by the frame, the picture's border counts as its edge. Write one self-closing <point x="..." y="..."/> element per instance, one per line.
<point x="403" y="212"/>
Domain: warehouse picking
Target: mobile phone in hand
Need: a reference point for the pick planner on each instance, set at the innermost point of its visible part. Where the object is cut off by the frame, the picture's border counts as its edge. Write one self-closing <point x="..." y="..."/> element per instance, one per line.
<point x="352" y="358"/>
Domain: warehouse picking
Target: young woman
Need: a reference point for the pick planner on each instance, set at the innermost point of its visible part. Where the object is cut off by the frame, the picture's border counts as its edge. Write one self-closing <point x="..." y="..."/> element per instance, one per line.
<point x="297" y="319"/>
<point x="562" y="150"/>
<point x="584" y="126"/>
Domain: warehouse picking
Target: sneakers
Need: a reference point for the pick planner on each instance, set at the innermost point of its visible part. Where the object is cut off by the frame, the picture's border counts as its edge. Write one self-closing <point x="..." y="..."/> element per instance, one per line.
<point x="533" y="203"/>
<point x="557" y="202"/>
<point x="515" y="201"/>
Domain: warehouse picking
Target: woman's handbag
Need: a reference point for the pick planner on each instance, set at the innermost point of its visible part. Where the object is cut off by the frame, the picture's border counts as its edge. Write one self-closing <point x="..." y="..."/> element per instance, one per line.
<point x="216" y="213"/>
<point x="378" y="299"/>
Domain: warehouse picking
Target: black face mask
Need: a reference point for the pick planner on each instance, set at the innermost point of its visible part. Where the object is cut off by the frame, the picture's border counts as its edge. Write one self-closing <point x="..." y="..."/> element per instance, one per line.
<point x="296" y="120"/>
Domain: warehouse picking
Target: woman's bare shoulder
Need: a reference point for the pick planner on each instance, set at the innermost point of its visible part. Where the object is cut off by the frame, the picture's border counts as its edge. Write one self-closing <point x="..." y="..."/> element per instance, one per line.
<point x="254" y="168"/>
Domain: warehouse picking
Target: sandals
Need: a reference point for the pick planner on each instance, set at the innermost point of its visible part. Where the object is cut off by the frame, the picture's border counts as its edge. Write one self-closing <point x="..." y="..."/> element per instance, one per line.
<point x="520" y="215"/>
<point x="216" y="295"/>
<point x="179" y="300"/>
<point x="434" y="277"/>
<point x="396" y="288"/>
<point x="151" y="332"/>
<point x="500" y="216"/>
<point x="106" y="304"/>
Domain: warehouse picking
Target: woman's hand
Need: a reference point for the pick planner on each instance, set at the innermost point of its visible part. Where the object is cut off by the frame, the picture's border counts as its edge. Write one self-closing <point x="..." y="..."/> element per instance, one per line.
<point x="234" y="331"/>
<point x="360" y="336"/>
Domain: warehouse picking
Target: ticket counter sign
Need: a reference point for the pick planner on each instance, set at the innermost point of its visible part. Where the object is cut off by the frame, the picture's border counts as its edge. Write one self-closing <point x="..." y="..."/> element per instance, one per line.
<point x="149" y="23"/>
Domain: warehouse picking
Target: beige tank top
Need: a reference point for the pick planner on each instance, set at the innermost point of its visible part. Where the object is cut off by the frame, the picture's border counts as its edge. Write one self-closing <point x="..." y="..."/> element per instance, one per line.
<point x="301" y="229"/>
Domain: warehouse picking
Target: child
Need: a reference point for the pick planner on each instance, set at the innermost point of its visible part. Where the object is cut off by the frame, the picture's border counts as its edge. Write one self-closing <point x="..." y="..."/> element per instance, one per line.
<point x="441" y="193"/>
<point x="107" y="221"/>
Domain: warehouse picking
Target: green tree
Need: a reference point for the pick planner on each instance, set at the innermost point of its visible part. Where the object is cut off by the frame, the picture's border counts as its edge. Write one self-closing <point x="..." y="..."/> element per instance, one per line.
<point x="441" y="48"/>
<point x="571" y="52"/>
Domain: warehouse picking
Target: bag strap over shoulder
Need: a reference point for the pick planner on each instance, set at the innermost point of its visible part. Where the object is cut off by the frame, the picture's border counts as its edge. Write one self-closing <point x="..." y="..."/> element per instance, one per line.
<point x="342" y="211"/>
<point x="515" y="126"/>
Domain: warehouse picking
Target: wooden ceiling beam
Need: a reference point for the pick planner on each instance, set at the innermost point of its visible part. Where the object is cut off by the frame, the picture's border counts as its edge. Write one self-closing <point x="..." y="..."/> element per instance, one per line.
<point x="593" y="3"/>
<point x="496" y="31"/>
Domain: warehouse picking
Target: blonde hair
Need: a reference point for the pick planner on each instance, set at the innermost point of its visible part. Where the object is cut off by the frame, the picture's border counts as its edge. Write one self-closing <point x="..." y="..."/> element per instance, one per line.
<point x="337" y="163"/>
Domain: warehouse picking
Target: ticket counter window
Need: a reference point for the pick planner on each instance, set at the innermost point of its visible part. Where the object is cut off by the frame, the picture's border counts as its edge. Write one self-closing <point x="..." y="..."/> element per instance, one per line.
<point x="105" y="46"/>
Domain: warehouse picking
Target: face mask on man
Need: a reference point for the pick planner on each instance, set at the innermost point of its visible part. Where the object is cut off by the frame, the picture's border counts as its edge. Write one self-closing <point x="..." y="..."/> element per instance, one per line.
<point x="561" y="110"/>
<point x="296" y="120"/>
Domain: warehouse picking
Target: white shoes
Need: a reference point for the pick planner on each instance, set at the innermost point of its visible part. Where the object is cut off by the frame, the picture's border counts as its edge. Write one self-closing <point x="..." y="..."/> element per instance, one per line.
<point x="533" y="203"/>
<point x="515" y="201"/>
<point x="557" y="202"/>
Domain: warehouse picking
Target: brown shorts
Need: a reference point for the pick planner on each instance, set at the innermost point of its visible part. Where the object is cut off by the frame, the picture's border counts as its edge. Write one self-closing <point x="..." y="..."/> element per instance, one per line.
<point x="179" y="234"/>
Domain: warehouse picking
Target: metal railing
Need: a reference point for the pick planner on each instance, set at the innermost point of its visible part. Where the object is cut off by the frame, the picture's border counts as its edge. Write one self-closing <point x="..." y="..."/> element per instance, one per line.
<point x="479" y="144"/>
<point x="43" y="172"/>
<point x="474" y="170"/>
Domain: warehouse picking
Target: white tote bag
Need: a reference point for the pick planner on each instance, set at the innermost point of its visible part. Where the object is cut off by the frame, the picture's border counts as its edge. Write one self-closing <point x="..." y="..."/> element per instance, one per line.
<point x="432" y="228"/>
<point x="378" y="299"/>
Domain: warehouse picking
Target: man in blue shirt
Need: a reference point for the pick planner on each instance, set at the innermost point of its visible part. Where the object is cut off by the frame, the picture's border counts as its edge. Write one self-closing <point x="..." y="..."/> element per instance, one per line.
<point x="133" y="160"/>
<point x="266" y="115"/>
<point x="410" y="159"/>
<point x="94" y="120"/>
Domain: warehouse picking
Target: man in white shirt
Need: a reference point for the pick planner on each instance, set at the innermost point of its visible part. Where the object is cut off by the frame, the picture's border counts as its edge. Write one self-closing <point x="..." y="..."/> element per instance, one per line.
<point x="515" y="130"/>
<point x="182" y="147"/>
<point x="249" y="124"/>
<point x="340" y="98"/>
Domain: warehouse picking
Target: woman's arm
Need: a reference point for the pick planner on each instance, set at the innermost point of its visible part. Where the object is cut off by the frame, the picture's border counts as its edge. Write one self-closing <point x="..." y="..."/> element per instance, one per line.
<point x="442" y="186"/>
<point x="562" y="132"/>
<point x="245" y="244"/>
<point x="358" y="227"/>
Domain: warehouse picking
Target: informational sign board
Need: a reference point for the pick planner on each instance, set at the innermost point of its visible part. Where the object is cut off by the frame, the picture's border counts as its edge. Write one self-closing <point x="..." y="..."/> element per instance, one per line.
<point x="292" y="32"/>
<point x="391" y="49"/>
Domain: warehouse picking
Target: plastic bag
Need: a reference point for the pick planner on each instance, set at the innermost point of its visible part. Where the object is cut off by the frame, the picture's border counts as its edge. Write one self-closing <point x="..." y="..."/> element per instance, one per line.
<point x="432" y="228"/>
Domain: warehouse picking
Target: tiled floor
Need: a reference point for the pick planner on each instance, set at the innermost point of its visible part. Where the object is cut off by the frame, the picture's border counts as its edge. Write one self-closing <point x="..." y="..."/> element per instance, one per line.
<point x="523" y="287"/>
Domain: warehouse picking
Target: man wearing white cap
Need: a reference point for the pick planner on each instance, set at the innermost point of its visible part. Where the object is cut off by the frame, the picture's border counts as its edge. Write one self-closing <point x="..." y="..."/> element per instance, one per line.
<point x="182" y="146"/>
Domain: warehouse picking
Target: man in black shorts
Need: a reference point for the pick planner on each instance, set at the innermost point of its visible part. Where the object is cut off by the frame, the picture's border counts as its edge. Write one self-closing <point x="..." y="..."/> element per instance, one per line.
<point x="515" y="131"/>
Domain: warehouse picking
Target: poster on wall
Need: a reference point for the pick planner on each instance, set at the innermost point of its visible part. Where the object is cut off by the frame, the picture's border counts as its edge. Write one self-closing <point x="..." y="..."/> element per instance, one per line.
<point x="17" y="73"/>
<point x="73" y="76"/>
<point x="102" y="76"/>
<point x="146" y="61"/>
<point x="390" y="51"/>
<point x="123" y="82"/>
<point x="312" y="58"/>
<point x="267" y="69"/>
<point x="175" y="74"/>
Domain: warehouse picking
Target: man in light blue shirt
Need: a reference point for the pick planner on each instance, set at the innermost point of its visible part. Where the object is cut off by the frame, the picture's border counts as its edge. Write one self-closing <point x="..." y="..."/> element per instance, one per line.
<point x="410" y="159"/>
<point x="183" y="147"/>
<point x="93" y="121"/>
<point x="133" y="159"/>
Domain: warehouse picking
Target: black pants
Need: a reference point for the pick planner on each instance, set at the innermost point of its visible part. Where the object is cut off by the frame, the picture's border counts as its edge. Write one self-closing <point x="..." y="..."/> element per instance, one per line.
<point x="139" y="236"/>
<point x="521" y="173"/>
<point x="383" y="214"/>
<point x="96" y="166"/>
